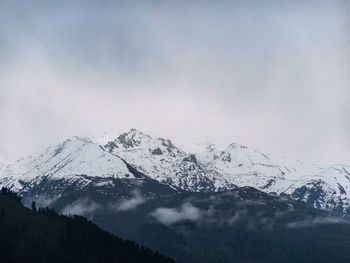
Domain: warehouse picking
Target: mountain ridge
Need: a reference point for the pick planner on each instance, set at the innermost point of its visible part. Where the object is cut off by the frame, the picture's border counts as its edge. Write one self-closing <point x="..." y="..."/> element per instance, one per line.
<point x="206" y="169"/>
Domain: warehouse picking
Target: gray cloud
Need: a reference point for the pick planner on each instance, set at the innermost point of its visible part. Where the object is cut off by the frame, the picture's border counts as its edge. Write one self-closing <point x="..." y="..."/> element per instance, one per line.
<point x="83" y="207"/>
<point x="170" y="216"/>
<point x="272" y="75"/>
<point x="128" y="204"/>
<point x="312" y="222"/>
<point x="44" y="201"/>
<point x="237" y="216"/>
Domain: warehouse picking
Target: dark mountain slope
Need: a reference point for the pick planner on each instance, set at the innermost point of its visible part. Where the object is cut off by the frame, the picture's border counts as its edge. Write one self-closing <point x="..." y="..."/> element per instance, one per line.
<point x="240" y="225"/>
<point x="45" y="236"/>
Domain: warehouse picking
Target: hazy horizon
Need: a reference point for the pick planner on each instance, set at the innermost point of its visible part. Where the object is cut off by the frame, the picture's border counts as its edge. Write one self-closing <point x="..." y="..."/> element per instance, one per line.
<point x="270" y="75"/>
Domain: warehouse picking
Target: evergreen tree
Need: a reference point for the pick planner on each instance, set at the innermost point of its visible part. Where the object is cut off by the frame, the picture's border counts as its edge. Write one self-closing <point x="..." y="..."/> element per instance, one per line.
<point x="34" y="207"/>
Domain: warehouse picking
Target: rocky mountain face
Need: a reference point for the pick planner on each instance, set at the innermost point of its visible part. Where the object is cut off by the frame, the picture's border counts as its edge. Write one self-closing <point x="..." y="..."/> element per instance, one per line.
<point x="160" y="159"/>
<point x="82" y="162"/>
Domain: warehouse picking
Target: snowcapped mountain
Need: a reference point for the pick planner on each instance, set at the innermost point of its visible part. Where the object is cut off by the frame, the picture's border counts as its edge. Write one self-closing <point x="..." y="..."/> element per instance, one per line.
<point x="76" y="159"/>
<point x="205" y="167"/>
<point x="161" y="160"/>
<point x="324" y="187"/>
<point x="204" y="152"/>
<point x="80" y="162"/>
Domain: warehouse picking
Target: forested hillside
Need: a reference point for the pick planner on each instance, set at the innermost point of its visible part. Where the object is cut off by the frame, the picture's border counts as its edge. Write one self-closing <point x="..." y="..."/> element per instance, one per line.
<point x="45" y="236"/>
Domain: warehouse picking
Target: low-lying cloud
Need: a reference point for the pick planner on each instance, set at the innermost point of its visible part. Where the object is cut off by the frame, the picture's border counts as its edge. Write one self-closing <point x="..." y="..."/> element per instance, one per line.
<point x="83" y="207"/>
<point x="312" y="222"/>
<point x="170" y="216"/>
<point x="45" y="201"/>
<point x="243" y="217"/>
<point x="237" y="216"/>
<point x="129" y="204"/>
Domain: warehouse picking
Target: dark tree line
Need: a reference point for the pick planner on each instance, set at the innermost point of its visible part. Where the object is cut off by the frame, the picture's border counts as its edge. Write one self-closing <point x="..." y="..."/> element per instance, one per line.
<point x="43" y="235"/>
<point x="11" y="194"/>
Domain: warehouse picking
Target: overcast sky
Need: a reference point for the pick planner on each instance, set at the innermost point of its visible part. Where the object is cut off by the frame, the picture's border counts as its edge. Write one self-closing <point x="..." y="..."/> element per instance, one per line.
<point x="272" y="75"/>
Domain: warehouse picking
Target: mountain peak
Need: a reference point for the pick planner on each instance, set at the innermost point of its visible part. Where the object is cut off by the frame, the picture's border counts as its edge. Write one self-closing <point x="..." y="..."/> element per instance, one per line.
<point x="79" y="138"/>
<point x="135" y="132"/>
<point x="73" y="159"/>
<point x="237" y="146"/>
<point x="72" y="142"/>
<point x="133" y="138"/>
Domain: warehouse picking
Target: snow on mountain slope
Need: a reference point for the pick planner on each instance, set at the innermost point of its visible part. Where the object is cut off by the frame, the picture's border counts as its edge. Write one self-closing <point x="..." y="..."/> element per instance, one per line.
<point x="161" y="160"/>
<point x="325" y="187"/>
<point x="204" y="152"/>
<point x="106" y="137"/>
<point x="203" y="168"/>
<point x="238" y="163"/>
<point x="75" y="159"/>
